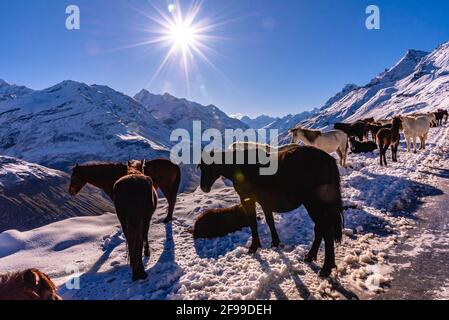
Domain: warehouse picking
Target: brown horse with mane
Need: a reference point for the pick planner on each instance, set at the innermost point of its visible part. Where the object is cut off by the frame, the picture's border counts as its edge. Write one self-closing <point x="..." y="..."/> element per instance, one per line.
<point x="306" y="176"/>
<point x="165" y="175"/>
<point x="135" y="201"/>
<point x="30" y="284"/>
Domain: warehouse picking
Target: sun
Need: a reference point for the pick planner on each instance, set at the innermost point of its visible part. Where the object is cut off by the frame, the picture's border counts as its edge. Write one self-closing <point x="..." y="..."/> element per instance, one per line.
<point x="187" y="34"/>
<point x="182" y="35"/>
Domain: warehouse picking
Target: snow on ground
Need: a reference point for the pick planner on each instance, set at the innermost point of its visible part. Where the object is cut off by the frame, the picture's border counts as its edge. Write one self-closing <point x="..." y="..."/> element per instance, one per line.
<point x="443" y="293"/>
<point x="382" y="206"/>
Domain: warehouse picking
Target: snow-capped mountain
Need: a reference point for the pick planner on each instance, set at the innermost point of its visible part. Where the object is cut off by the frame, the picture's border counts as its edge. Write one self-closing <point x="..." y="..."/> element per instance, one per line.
<point x="32" y="196"/>
<point x="419" y="82"/>
<point x="285" y="123"/>
<point x="74" y="122"/>
<point x="180" y="113"/>
<point x="259" y="122"/>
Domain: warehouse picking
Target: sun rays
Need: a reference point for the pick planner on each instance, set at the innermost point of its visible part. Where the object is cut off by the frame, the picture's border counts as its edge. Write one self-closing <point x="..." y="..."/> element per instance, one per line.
<point x="184" y="35"/>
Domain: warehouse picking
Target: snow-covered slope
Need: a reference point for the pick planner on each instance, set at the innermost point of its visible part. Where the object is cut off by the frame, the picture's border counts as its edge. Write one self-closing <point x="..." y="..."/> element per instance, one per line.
<point x="419" y="82"/>
<point x="32" y="195"/>
<point x="180" y="113"/>
<point x="73" y="122"/>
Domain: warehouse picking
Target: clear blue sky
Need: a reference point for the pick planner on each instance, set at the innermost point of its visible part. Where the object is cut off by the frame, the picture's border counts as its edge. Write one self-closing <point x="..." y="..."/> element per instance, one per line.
<point x="278" y="57"/>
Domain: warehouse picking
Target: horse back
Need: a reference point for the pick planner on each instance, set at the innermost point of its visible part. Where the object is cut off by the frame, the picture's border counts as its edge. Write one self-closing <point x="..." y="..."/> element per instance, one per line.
<point x="164" y="173"/>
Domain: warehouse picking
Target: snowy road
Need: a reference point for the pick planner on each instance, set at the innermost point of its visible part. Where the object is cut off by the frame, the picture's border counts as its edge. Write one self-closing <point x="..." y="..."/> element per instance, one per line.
<point x="425" y="275"/>
<point x="384" y="206"/>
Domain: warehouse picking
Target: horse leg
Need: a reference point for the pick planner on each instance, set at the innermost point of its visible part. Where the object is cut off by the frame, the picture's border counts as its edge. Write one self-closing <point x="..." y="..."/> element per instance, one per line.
<point x="274" y="235"/>
<point x="146" y="229"/>
<point x="313" y="253"/>
<point x="329" y="256"/>
<point x="171" y="207"/>
<point x="340" y="155"/>
<point x="381" y="150"/>
<point x="250" y="209"/>
<point x="407" y="140"/>
<point x="415" y="141"/>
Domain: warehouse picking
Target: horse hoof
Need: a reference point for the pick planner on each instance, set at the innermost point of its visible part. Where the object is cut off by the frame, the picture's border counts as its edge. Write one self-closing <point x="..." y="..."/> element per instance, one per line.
<point x="253" y="249"/>
<point x="140" y="276"/>
<point x="276" y="244"/>
<point x="168" y="220"/>
<point x="326" y="271"/>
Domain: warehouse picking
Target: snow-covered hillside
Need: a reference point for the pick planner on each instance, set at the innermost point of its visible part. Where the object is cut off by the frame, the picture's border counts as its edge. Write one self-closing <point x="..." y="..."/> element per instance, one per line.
<point x="419" y="82"/>
<point x="180" y="113"/>
<point x="382" y="203"/>
<point x="32" y="196"/>
<point x="73" y="122"/>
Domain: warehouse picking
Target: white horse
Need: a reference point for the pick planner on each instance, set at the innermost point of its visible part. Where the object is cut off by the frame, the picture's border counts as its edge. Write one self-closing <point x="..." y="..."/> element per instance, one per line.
<point x="414" y="128"/>
<point x="332" y="141"/>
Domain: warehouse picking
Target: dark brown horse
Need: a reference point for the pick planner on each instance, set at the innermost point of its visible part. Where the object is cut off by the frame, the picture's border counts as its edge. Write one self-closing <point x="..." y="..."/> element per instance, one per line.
<point x="357" y="129"/>
<point x="389" y="137"/>
<point x="440" y="115"/>
<point x="306" y="176"/>
<point x="135" y="201"/>
<point x="31" y="284"/>
<point x="165" y="175"/>
<point x="215" y="223"/>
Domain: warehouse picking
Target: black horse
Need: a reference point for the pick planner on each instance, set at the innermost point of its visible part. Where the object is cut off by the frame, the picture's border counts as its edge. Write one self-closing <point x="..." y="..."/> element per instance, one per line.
<point x="306" y="176"/>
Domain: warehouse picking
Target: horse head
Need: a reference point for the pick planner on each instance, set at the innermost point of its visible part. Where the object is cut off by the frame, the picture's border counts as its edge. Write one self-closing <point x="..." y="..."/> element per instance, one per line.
<point x="295" y="134"/>
<point x="77" y="181"/>
<point x="209" y="173"/>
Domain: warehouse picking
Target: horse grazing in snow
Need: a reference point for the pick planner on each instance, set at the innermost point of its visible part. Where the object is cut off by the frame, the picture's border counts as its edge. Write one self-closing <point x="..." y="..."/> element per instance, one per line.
<point x="305" y="176"/>
<point x="31" y="284"/>
<point x="389" y="137"/>
<point x="135" y="201"/>
<point x="215" y="223"/>
<point x="165" y="175"/>
<point x="416" y="127"/>
<point x="332" y="141"/>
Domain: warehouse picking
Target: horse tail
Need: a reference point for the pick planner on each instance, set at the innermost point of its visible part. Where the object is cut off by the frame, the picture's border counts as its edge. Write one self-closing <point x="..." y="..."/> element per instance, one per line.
<point x="337" y="219"/>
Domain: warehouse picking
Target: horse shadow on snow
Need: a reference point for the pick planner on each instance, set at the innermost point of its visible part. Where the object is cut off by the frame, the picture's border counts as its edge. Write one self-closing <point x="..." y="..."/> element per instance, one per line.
<point x="116" y="283"/>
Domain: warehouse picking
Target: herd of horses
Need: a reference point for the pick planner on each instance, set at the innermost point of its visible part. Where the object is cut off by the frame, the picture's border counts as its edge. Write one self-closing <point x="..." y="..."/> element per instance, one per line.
<point x="307" y="176"/>
<point x="132" y="186"/>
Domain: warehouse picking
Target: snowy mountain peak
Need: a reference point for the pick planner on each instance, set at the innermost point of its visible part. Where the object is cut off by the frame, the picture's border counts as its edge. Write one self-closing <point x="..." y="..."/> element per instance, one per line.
<point x="402" y="69"/>
<point x="180" y="113"/>
<point x="418" y="82"/>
